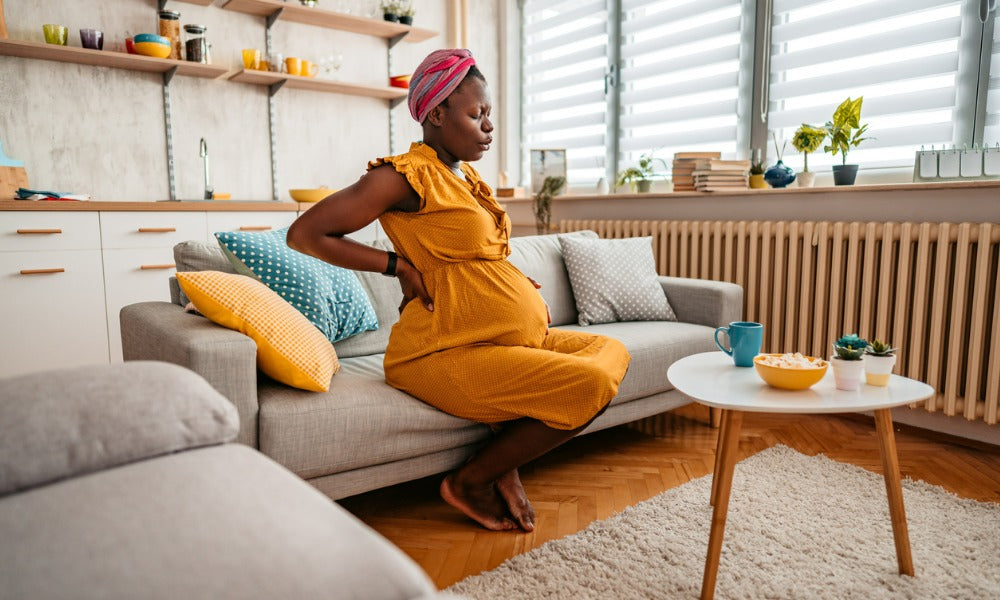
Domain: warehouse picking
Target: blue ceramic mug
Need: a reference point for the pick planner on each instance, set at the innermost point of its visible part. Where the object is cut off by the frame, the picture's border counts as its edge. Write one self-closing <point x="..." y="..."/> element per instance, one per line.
<point x="745" y="338"/>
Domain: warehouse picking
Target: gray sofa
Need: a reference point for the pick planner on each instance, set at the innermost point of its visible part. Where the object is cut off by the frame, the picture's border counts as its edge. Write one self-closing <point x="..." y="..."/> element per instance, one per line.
<point x="363" y="434"/>
<point x="119" y="482"/>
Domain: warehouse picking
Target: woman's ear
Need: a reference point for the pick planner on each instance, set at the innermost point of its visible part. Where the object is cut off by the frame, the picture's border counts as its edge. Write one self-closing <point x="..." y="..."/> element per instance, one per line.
<point x="436" y="116"/>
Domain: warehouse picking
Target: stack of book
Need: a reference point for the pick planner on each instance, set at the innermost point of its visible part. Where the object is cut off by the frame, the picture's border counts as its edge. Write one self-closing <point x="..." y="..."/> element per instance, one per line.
<point x="684" y="167"/>
<point x="716" y="175"/>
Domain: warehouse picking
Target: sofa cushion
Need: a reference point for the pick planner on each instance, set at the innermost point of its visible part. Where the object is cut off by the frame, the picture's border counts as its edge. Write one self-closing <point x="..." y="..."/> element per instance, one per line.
<point x="289" y="348"/>
<point x="615" y="280"/>
<point x="196" y="256"/>
<point x="540" y="258"/>
<point x="70" y="422"/>
<point x="219" y="522"/>
<point x="360" y="422"/>
<point x="330" y="297"/>
<point x="654" y="346"/>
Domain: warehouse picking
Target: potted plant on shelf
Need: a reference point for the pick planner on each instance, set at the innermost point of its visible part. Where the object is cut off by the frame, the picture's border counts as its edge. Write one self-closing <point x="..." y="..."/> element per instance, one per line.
<point x="640" y="177"/>
<point x="779" y="175"/>
<point x="879" y="359"/>
<point x="390" y="10"/>
<point x="847" y="363"/>
<point x="757" y="171"/>
<point x="406" y="13"/>
<point x="845" y="131"/>
<point x="542" y="205"/>
<point x="807" y="139"/>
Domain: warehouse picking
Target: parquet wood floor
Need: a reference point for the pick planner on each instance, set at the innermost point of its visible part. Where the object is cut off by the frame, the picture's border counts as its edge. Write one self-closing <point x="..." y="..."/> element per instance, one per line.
<point x="598" y="475"/>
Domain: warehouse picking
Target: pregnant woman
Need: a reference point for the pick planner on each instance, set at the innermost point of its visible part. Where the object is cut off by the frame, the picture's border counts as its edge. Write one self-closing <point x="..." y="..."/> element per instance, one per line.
<point x="473" y="337"/>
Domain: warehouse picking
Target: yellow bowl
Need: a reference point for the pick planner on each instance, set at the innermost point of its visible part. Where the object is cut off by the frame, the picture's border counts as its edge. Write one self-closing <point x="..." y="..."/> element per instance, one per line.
<point x="787" y="378"/>
<point x="152" y="49"/>
<point x="310" y="195"/>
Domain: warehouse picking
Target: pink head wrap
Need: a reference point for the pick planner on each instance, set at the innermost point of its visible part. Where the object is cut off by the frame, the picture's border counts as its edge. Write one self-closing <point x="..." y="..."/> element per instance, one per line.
<point x="436" y="78"/>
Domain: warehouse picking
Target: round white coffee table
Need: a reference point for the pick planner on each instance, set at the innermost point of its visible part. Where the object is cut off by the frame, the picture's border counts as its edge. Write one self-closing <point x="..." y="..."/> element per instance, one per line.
<point x="711" y="378"/>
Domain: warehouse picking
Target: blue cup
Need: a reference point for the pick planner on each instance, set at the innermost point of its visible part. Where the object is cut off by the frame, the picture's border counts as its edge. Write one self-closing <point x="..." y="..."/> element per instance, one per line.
<point x="745" y="338"/>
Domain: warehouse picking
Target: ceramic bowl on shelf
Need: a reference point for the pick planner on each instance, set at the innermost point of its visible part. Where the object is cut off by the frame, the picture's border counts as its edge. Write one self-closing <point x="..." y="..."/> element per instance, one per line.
<point x="310" y="195"/>
<point x="150" y="37"/>
<point x="787" y="377"/>
<point x="400" y="81"/>
<point x="150" y="44"/>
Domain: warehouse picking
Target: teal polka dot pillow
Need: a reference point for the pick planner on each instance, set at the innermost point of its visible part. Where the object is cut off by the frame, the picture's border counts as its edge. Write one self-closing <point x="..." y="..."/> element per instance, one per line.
<point x="330" y="297"/>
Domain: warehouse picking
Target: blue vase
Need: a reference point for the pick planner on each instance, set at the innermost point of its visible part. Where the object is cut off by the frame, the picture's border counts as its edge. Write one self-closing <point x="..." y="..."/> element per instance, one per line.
<point x="779" y="175"/>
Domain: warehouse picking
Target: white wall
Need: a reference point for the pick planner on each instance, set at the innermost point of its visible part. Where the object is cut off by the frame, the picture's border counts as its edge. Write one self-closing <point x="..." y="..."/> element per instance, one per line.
<point x="100" y="131"/>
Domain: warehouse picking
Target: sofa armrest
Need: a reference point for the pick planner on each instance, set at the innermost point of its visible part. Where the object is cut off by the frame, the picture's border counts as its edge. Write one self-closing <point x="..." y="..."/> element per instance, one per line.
<point x="227" y="359"/>
<point x="704" y="302"/>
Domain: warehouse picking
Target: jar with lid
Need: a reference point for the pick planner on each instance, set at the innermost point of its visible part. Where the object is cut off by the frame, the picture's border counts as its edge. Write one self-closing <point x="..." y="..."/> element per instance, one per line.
<point x="170" y="28"/>
<point x="195" y="44"/>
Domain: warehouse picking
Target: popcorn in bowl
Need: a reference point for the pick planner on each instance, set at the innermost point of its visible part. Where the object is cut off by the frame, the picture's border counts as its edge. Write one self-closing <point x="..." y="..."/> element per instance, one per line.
<point x="792" y="361"/>
<point x="790" y="371"/>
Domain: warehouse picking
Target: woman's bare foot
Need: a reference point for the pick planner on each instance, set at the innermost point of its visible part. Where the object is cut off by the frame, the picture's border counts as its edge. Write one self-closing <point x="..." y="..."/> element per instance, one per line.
<point x="483" y="506"/>
<point x="511" y="490"/>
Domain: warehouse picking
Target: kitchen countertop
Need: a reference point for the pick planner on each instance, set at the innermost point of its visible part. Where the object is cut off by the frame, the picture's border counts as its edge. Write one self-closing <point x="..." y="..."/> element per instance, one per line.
<point x="182" y="206"/>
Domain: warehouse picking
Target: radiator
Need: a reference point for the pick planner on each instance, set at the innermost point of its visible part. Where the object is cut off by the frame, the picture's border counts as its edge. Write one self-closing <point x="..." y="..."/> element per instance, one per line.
<point x="932" y="289"/>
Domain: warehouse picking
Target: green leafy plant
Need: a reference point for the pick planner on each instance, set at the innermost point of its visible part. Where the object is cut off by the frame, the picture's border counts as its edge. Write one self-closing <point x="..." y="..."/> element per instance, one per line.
<point x="850" y="347"/>
<point x="879" y="348"/>
<point x="406" y="9"/>
<point x="644" y="172"/>
<point x="845" y="130"/>
<point x="808" y="139"/>
<point x="551" y="186"/>
<point x="390" y="7"/>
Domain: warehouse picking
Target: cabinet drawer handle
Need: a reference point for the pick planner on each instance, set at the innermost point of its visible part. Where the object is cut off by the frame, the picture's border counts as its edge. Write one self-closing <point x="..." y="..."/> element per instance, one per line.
<point x="154" y="267"/>
<point x="157" y="229"/>
<point x="42" y="271"/>
<point x="255" y="228"/>
<point x="31" y="231"/>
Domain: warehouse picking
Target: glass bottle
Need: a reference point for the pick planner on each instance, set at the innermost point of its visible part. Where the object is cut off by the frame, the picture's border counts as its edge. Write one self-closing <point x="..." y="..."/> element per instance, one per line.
<point x="170" y="28"/>
<point x="195" y="44"/>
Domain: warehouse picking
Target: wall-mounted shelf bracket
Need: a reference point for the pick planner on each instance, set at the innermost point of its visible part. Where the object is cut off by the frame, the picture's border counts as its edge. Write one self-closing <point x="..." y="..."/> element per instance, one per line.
<point x="160" y="5"/>
<point x="169" y="75"/>
<point x="394" y="102"/>
<point x="396" y="39"/>
<point x="274" y="87"/>
<point x="271" y="18"/>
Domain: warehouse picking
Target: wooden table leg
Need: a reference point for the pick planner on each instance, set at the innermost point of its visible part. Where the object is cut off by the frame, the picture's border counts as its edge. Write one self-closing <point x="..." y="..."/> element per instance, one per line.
<point x="732" y="420"/>
<point x="890" y="468"/>
<point x="724" y="421"/>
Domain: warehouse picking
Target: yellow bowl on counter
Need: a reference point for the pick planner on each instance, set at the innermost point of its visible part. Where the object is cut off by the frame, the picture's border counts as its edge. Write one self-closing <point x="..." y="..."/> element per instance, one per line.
<point x="310" y="195"/>
<point x="787" y="378"/>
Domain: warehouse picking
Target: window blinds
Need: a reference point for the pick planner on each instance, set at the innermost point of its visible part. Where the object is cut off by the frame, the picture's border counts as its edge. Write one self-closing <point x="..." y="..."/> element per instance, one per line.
<point x="680" y="77"/>
<point x="901" y="55"/>
<point x="565" y="61"/>
<point x="991" y="135"/>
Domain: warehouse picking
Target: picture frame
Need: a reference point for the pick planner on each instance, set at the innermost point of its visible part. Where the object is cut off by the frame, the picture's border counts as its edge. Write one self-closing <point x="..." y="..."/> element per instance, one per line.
<point x="546" y="162"/>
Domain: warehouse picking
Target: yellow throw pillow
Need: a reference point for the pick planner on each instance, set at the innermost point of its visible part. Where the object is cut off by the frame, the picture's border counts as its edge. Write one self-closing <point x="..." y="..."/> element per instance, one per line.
<point x="290" y="349"/>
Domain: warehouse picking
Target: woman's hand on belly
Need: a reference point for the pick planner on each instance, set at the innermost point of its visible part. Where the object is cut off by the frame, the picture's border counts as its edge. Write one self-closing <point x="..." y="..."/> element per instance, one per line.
<point x="538" y="286"/>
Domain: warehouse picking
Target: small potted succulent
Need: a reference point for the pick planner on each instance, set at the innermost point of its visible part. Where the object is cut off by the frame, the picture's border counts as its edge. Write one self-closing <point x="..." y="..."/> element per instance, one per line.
<point x="390" y="10"/>
<point x="879" y="359"/>
<point x="847" y="362"/>
<point x="406" y="13"/>
<point x="807" y="139"/>
<point x="757" y="171"/>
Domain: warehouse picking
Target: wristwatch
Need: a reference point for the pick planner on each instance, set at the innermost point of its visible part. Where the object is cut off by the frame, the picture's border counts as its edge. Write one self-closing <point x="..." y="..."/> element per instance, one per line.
<point x="390" y="266"/>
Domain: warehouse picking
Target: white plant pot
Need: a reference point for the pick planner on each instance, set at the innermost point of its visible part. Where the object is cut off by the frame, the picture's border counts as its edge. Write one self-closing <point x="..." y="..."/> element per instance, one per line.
<point x="806" y="179"/>
<point x="847" y="373"/>
<point x="878" y="369"/>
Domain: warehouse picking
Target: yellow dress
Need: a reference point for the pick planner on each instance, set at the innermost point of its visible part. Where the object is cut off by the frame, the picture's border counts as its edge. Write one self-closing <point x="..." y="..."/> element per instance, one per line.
<point x="485" y="353"/>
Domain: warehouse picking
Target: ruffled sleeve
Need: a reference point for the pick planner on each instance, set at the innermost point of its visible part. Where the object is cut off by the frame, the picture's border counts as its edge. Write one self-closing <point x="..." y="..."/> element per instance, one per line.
<point x="406" y="166"/>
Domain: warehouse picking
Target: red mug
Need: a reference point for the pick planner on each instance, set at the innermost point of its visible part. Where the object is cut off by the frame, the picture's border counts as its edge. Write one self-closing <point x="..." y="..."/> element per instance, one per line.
<point x="129" y="45"/>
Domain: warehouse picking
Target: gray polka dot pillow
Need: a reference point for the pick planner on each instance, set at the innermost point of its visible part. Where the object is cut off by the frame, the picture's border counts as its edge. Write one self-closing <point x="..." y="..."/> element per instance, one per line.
<point x="615" y="280"/>
<point x="330" y="297"/>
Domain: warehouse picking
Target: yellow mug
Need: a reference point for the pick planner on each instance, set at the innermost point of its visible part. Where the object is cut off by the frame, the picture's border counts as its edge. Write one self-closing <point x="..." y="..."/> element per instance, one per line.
<point x="309" y="69"/>
<point x="251" y="59"/>
<point x="55" y="34"/>
<point x="293" y="65"/>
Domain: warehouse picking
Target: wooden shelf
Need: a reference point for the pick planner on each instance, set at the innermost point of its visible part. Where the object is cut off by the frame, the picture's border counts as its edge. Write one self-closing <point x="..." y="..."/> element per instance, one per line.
<point x="198" y="2"/>
<point x="318" y="85"/>
<point x="107" y="58"/>
<point x="318" y="17"/>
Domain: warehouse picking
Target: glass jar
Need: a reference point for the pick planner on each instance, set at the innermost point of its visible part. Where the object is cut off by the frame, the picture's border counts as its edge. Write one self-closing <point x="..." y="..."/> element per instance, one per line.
<point x="170" y="28"/>
<point x="195" y="44"/>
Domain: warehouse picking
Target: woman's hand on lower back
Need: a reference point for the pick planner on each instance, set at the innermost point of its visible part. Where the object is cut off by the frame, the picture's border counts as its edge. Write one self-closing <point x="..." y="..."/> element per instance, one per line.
<point x="412" y="283"/>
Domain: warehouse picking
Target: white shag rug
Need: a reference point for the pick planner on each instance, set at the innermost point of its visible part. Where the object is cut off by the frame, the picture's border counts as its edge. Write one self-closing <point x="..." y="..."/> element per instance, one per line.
<point x="798" y="527"/>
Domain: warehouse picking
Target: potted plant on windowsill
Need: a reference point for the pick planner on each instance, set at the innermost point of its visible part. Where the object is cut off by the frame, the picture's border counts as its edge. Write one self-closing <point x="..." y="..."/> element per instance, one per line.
<point x="640" y="177"/>
<point x="807" y="139"/>
<point x="847" y="363"/>
<point x="542" y="204"/>
<point x="757" y="171"/>
<point x="880" y="357"/>
<point x="845" y="131"/>
<point x="390" y="10"/>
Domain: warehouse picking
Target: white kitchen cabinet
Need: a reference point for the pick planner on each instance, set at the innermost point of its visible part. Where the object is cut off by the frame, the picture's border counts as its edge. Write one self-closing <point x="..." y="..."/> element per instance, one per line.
<point x="52" y="308"/>
<point x="247" y="221"/>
